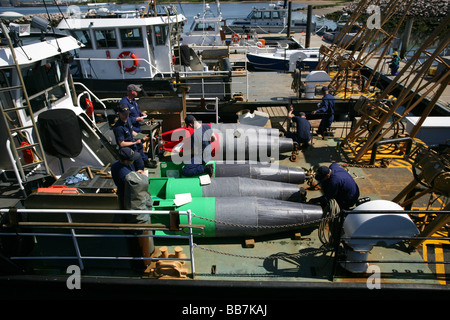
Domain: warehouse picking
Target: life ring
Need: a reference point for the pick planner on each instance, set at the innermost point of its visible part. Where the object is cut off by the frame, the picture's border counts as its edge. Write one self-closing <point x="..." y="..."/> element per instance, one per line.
<point x="126" y="55"/>
<point x="259" y="44"/>
<point x="235" y="38"/>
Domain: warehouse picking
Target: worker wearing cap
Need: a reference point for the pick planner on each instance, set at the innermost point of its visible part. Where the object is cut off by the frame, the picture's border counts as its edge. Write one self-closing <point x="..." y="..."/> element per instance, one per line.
<point x="336" y="184"/>
<point x="124" y="133"/>
<point x="394" y="63"/>
<point x="130" y="100"/>
<point x="200" y="152"/>
<point x="327" y="109"/>
<point x="303" y="134"/>
<point x="121" y="168"/>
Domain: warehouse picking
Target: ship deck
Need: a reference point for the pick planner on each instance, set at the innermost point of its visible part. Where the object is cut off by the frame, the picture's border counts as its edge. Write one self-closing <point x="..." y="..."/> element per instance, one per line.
<point x="291" y="265"/>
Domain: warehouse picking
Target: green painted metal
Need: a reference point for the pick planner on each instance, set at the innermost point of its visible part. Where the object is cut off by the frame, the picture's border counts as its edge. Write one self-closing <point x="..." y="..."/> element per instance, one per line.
<point x="170" y="169"/>
<point x="167" y="188"/>
<point x="203" y="207"/>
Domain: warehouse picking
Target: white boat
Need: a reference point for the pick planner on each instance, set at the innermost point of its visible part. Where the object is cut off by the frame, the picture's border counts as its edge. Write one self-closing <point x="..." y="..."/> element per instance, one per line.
<point x="273" y="19"/>
<point x="144" y="50"/>
<point x="36" y="90"/>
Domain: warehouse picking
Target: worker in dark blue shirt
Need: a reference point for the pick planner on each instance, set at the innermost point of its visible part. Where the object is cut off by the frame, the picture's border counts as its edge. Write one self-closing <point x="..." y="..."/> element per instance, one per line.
<point x="327" y="109"/>
<point x="336" y="184"/>
<point x="200" y="149"/>
<point x="121" y="168"/>
<point x="125" y="136"/>
<point x="136" y="116"/>
<point x="303" y="134"/>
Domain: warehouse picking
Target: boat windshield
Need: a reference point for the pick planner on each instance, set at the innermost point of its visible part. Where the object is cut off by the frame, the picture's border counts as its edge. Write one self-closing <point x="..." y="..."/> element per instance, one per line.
<point x="45" y="84"/>
<point x="83" y="36"/>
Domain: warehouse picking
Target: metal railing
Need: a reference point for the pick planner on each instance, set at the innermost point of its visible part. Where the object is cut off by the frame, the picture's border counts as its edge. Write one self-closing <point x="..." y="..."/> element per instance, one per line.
<point x="36" y="229"/>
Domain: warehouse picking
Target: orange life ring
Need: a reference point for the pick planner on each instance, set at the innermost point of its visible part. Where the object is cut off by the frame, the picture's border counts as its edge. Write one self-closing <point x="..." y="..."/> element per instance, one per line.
<point x="235" y="38"/>
<point x="125" y="55"/>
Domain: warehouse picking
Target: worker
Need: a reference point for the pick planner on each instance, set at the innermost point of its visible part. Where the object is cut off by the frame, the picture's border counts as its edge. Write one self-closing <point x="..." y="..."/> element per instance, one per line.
<point x="303" y="134"/>
<point x="394" y="63"/>
<point x="326" y="108"/>
<point x="121" y="168"/>
<point x="136" y="116"/>
<point x="125" y="136"/>
<point x="338" y="184"/>
<point x="200" y="149"/>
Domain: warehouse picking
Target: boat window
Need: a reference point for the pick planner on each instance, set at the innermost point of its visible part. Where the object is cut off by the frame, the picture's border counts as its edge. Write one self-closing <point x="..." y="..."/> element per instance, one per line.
<point x="275" y="15"/>
<point x="257" y="15"/>
<point x="131" y="38"/>
<point x="266" y="14"/>
<point x="161" y="34"/>
<point x="44" y="84"/>
<point x="205" y="26"/>
<point x="106" y="38"/>
<point x="84" y="37"/>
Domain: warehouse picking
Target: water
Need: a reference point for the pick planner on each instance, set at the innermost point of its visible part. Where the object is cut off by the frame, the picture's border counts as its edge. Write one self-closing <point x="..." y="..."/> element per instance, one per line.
<point x="230" y="11"/>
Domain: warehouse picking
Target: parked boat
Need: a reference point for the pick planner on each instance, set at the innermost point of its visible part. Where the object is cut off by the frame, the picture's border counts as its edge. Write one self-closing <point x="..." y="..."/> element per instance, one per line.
<point x="273" y="19"/>
<point x="284" y="60"/>
<point x="347" y="36"/>
<point x="144" y="50"/>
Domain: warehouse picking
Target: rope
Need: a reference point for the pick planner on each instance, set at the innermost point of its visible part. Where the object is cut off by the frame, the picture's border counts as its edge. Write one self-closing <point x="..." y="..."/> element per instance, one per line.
<point x="328" y="226"/>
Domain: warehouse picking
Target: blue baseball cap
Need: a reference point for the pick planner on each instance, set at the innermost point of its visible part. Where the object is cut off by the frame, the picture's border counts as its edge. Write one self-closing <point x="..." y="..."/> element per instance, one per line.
<point x="128" y="154"/>
<point x="322" y="172"/>
<point x="123" y="108"/>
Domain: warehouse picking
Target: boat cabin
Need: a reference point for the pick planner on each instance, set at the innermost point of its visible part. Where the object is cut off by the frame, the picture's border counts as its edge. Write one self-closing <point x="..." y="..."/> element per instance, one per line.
<point x="114" y="48"/>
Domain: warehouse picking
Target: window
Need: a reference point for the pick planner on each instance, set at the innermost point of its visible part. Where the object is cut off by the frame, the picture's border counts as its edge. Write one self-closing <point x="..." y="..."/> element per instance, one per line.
<point x="204" y="27"/>
<point x="44" y="84"/>
<point x="161" y="34"/>
<point x="266" y="14"/>
<point x="275" y="15"/>
<point x="131" y="38"/>
<point x="257" y="15"/>
<point x="106" y="38"/>
<point x="84" y="37"/>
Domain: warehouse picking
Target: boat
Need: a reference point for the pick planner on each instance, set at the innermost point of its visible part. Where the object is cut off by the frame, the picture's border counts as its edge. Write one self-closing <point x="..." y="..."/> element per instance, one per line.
<point x="348" y="36"/>
<point x="284" y="59"/>
<point x="143" y="49"/>
<point x="189" y="238"/>
<point x="273" y="19"/>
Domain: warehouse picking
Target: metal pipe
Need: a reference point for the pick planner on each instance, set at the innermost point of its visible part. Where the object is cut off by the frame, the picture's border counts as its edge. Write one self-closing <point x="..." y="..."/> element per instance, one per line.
<point x="409" y="141"/>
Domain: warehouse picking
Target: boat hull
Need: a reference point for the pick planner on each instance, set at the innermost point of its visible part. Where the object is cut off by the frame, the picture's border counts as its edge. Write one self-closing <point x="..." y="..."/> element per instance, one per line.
<point x="273" y="63"/>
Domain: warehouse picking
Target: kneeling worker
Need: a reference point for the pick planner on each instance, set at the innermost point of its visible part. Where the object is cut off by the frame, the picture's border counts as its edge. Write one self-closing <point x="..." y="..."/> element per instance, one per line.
<point x="200" y="149"/>
<point x="336" y="184"/>
<point x="303" y="134"/>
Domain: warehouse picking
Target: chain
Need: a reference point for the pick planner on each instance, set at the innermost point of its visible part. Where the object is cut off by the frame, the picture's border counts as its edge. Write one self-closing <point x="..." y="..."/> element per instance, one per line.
<point x="263" y="258"/>
<point x="262" y="227"/>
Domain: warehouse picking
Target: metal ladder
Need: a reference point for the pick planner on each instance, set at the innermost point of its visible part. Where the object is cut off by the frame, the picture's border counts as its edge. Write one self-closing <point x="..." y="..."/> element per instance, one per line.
<point x="13" y="129"/>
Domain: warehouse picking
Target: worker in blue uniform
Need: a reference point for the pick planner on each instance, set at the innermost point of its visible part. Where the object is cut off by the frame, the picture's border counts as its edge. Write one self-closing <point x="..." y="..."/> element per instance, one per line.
<point x="136" y="116"/>
<point x="121" y="168"/>
<point x="327" y="109"/>
<point x="200" y="149"/>
<point x="125" y="136"/>
<point x="336" y="184"/>
<point x="303" y="134"/>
